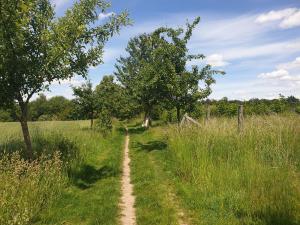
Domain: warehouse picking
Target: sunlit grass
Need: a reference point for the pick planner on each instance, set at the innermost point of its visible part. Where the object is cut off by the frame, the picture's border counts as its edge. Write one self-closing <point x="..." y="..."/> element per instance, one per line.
<point x="91" y="193"/>
<point x="246" y="178"/>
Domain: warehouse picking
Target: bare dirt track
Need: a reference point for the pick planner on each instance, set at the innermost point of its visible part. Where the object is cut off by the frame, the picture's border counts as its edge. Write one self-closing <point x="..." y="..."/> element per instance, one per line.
<point x="127" y="199"/>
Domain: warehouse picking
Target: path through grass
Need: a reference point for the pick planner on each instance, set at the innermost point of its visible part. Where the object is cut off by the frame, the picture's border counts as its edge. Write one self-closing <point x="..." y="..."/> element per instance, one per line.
<point x="155" y="202"/>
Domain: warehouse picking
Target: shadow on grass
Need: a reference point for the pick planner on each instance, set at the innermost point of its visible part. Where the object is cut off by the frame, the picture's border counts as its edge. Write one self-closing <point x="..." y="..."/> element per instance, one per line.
<point x="13" y="145"/>
<point x="88" y="175"/>
<point x="43" y="145"/>
<point x="151" y="146"/>
<point x="136" y="130"/>
<point x="121" y="130"/>
<point x="131" y="130"/>
<point x="269" y="217"/>
<point x="278" y="218"/>
<point x="87" y="129"/>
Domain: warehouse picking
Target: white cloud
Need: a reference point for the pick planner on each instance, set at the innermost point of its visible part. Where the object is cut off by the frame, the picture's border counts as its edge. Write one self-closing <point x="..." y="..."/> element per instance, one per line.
<point x="105" y="15"/>
<point x="288" y="18"/>
<point x="276" y="74"/>
<point x="275" y="15"/>
<point x="270" y="49"/>
<point x="290" y="65"/>
<point x="216" y="60"/>
<point x="285" y="73"/>
<point x="227" y="31"/>
<point x="291" y="21"/>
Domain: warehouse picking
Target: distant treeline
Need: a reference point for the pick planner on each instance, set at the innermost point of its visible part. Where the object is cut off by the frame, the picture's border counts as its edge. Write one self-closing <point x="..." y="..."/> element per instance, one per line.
<point x="255" y="106"/>
<point x="225" y="107"/>
<point x="61" y="108"/>
<point x="42" y="109"/>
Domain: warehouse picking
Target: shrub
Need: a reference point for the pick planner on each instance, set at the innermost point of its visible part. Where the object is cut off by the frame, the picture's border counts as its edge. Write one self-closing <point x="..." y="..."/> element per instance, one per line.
<point x="104" y="122"/>
<point x="5" y="116"/>
<point x="297" y="109"/>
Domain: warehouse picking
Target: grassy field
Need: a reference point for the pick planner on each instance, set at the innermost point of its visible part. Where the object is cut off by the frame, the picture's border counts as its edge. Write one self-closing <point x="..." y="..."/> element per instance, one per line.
<point x="194" y="175"/>
<point x="91" y="192"/>
<point x="218" y="176"/>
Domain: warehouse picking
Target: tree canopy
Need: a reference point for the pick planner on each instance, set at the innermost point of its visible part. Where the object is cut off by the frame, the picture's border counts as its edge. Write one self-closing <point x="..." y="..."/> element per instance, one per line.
<point x="156" y="70"/>
<point x="37" y="48"/>
<point x="85" y="99"/>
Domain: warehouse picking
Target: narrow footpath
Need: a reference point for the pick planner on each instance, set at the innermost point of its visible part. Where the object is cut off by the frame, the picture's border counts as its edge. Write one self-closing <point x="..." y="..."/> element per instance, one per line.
<point x="127" y="199"/>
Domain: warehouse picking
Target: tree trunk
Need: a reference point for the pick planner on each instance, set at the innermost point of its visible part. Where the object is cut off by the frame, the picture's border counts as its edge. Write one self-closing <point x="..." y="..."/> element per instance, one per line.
<point x="178" y="114"/>
<point x="25" y="130"/>
<point x="147" y="120"/>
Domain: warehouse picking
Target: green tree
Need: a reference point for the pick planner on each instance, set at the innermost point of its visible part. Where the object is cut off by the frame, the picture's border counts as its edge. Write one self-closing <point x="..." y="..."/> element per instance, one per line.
<point x="104" y="122"/>
<point x="59" y="108"/>
<point x="156" y="70"/>
<point x="114" y="99"/>
<point x="5" y="116"/>
<point x="38" y="107"/>
<point x="134" y="72"/>
<point x="182" y="90"/>
<point x="85" y="99"/>
<point x="37" y="48"/>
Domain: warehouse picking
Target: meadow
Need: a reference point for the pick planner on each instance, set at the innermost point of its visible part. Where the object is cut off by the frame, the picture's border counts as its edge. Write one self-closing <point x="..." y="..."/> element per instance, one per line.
<point x="215" y="175"/>
<point x="74" y="180"/>
<point x="210" y="174"/>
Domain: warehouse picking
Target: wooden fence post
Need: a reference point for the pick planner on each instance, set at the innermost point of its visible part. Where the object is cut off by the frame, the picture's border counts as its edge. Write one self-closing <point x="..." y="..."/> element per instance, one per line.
<point x="240" y="118"/>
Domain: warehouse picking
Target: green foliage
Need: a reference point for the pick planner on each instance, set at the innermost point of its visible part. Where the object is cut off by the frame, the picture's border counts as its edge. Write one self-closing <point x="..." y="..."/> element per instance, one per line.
<point x="85" y="99"/>
<point x="104" y="122"/>
<point x="43" y="48"/>
<point x="37" y="48"/>
<point x="5" y="116"/>
<point x="225" y="107"/>
<point x="297" y="109"/>
<point x="56" y="108"/>
<point x="155" y="71"/>
<point x="137" y="74"/>
<point x="114" y="98"/>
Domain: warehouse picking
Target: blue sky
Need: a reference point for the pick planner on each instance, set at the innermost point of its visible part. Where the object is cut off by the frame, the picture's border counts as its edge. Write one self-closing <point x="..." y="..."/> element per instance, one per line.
<point x="256" y="42"/>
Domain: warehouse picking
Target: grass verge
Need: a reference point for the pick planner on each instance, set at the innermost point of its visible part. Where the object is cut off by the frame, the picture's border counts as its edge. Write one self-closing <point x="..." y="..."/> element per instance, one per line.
<point x="92" y="192"/>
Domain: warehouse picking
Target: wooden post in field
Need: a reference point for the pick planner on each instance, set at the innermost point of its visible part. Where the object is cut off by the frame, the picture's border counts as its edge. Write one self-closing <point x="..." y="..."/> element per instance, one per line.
<point x="240" y="118"/>
<point x="187" y="119"/>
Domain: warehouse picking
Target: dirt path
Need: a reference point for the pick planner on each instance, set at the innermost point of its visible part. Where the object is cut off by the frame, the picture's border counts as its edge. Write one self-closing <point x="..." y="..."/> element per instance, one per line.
<point x="127" y="200"/>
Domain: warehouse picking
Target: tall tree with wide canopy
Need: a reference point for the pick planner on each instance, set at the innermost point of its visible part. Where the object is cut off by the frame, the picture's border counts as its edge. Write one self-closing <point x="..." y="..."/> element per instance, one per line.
<point x="137" y="72"/>
<point x="156" y="70"/>
<point x="37" y="48"/>
<point x="185" y="87"/>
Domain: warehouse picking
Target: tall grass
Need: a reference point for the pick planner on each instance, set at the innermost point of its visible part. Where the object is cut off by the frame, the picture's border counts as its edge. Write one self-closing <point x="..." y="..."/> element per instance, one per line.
<point x="29" y="187"/>
<point x="247" y="178"/>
